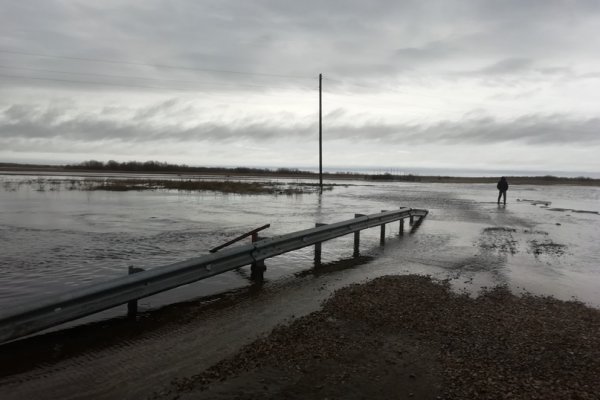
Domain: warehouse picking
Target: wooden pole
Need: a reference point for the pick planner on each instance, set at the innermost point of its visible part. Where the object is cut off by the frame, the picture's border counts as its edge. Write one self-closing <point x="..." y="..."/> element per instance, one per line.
<point x="320" y="134"/>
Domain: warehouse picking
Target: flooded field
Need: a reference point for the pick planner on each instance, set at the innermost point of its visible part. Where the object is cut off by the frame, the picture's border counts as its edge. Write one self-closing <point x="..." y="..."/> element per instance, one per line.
<point x="543" y="241"/>
<point x="55" y="237"/>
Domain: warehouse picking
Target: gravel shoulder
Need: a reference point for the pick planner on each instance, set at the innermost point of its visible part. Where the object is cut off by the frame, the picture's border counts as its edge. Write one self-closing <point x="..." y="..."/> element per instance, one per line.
<point x="402" y="337"/>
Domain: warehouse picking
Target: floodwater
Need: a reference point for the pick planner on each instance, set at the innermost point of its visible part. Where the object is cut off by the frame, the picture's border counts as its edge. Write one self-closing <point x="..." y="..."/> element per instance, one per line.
<point x="53" y="239"/>
<point x="544" y="241"/>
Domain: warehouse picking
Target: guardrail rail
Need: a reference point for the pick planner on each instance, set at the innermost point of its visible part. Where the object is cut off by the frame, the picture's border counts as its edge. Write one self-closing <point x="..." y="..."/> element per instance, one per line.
<point x="45" y="312"/>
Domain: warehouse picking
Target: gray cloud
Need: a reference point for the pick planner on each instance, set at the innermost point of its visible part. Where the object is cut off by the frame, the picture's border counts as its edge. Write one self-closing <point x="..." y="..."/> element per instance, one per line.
<point x="22" y="123"/>
<point x="355" y="39"/>
<point x="518" y="61"/>
<point x="508" y="66"/>
<point x="535" y="130"/>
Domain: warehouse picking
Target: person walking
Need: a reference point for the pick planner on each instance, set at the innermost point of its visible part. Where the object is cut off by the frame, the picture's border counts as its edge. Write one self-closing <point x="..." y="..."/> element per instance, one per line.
<point x="502" y="188"/>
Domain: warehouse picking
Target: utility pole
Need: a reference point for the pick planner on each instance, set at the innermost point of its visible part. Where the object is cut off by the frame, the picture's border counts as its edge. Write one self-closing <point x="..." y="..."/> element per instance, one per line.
<point x="320" y="134"/>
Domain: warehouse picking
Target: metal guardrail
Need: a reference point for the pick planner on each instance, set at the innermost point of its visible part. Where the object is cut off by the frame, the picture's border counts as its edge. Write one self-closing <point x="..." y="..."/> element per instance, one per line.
<point x="42" y="313"/>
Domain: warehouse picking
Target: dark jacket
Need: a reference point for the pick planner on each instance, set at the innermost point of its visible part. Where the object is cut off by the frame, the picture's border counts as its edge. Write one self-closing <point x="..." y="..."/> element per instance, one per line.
<point x="502" y="185"/>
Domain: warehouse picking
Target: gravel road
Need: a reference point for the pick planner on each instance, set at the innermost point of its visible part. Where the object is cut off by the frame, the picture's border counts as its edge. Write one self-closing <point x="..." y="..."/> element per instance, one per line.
<point x="401" y="337"/>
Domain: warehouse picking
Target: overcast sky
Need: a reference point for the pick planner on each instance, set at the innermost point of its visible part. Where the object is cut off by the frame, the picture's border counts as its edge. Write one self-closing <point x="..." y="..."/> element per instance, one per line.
<point x="482" y="85"/>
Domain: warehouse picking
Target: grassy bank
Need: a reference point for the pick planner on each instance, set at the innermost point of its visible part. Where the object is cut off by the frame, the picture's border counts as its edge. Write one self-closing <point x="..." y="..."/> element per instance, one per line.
<point x="191" y="186"/>
<point x="187" y="185"/>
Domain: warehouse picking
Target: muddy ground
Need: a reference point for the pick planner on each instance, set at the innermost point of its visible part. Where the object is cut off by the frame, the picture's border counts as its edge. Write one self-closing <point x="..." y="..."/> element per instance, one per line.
<point x="402" y="337"/>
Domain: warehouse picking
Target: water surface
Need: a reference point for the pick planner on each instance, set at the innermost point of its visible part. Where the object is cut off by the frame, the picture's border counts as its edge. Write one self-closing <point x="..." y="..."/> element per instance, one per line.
<point x="53" y="239"/>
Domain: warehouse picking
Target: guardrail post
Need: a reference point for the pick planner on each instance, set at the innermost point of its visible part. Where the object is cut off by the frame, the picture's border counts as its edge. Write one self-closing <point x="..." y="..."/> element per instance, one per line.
<point x="257" y="268"/>
<point x="132" y="305"/>
<point x="318" y="248"/>
<point x="417" y="223"/>
<point x="382" y="233"/>
<point x="357" y="239"/>
<point x="401" y="226"/>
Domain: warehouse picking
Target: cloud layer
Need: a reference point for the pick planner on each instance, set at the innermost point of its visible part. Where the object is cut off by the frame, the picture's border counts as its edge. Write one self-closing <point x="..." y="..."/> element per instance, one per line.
<point x="227" y="74"/>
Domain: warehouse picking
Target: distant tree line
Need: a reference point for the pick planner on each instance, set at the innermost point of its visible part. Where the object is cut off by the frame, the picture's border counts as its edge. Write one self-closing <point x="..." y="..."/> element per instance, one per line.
<point x="392" y="177"/>
<point x="159" y="166"/>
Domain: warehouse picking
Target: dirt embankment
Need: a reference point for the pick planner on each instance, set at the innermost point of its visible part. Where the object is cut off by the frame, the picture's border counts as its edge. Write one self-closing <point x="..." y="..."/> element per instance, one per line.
<point x="404" y="337"/>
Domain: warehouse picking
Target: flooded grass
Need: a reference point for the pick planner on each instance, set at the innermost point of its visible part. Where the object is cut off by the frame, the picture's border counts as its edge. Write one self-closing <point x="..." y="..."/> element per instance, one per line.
<point x="187" y="185"/>
<point x="121" y="185"/>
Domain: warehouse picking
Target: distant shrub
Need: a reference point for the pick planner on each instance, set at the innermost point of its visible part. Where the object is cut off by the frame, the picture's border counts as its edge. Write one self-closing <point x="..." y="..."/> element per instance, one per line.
<point x="401" y="178"/>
